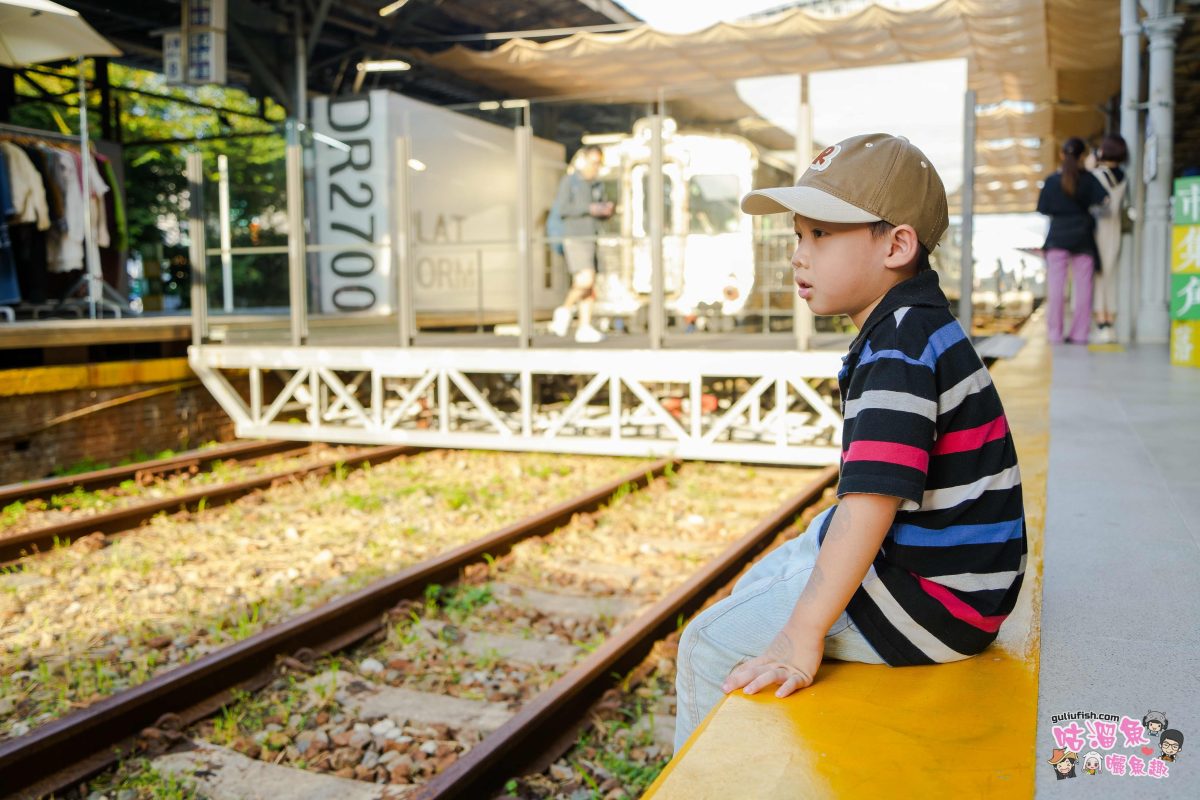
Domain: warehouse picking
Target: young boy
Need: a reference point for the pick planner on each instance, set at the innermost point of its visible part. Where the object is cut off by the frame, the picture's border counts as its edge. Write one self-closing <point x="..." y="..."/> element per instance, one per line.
<point x="923" y="557"/>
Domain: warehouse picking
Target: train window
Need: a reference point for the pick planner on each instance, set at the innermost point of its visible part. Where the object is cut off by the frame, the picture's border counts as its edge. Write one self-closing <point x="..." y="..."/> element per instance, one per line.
<point x="668" y="200"/>
<point x="713" y="204"/>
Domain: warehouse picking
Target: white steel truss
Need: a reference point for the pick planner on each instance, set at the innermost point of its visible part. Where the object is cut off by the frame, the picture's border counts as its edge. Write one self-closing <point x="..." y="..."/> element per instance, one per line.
<point x="752" y="406"/>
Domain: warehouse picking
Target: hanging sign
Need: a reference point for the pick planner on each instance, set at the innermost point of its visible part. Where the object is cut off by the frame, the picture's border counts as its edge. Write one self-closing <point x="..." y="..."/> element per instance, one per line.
<point x="1185" y="274"/>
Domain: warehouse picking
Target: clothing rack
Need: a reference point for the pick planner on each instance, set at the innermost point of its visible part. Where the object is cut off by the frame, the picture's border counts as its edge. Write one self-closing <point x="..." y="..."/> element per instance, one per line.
<point x="100" y="294"/>
<point x="34" y="133"/>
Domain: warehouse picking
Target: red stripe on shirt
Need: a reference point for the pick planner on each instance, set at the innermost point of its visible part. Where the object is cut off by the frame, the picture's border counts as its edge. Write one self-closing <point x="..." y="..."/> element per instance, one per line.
<point x="958" y="608"/>
<point x="971" y="438"/>
<point x="904" y="455"/>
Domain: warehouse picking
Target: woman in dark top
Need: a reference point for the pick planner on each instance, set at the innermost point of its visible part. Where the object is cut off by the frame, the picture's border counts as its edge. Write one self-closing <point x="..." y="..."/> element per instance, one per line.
<point x="1067" y="198"/>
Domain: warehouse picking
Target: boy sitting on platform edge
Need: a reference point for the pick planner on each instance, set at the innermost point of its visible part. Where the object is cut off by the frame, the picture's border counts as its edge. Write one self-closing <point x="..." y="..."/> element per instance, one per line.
<point x="923" y="557"/>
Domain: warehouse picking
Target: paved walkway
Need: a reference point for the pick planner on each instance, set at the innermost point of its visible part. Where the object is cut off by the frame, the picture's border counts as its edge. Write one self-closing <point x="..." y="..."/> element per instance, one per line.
<point x="1121" y="593"/>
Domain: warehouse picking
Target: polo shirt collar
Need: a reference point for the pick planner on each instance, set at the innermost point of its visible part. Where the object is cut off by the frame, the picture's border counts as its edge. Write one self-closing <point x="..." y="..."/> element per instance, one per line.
<point x="920" y="290"/>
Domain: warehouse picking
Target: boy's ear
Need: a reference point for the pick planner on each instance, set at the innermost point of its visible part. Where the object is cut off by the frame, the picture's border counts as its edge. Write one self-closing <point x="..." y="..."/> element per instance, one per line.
<point x="903" y="247"/>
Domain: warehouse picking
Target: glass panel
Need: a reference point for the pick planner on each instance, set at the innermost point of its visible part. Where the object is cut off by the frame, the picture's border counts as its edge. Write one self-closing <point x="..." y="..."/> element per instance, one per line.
<point x="464" y="183"/>
<point x="590" y="210"/>
<point x="257" y="220"/>
<point x="726" y="272"/>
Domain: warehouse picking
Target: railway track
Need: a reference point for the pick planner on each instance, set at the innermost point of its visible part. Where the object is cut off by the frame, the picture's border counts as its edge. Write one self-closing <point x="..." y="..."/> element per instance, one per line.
<point x="192" y="461"/>
<point x="118" y="520"/>
<point x="539" y="730"/>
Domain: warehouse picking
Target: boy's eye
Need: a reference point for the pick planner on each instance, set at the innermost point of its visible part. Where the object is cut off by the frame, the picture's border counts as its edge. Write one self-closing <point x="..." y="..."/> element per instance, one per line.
<point x="818" y="233"/>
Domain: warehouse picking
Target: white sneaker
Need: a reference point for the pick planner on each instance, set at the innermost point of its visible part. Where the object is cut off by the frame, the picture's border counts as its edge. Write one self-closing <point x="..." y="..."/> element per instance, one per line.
<point x="561" y="321"/>
<point x="586" y="334"/>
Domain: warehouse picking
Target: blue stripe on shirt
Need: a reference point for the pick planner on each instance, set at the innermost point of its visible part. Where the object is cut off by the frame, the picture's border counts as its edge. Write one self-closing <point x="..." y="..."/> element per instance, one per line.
<point x="940" y="341"/>
<point x="992" y="533"/>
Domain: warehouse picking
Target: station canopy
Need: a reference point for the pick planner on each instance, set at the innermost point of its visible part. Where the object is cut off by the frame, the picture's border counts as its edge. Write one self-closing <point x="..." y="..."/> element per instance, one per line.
<point x="1042" y="70"/>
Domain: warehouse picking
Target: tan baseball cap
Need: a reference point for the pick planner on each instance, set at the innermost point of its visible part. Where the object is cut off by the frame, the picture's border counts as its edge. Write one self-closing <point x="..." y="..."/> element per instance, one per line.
<point x="865" y="178"/>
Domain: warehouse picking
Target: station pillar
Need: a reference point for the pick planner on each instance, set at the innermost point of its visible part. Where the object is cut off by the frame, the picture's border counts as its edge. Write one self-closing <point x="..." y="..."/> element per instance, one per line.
<point x="1131" y="132"/>
<point x="1152" y="319"/>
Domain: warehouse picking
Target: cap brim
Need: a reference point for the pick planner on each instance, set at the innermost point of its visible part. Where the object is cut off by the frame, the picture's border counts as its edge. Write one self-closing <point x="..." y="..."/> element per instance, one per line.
<point x="805" y="201"/>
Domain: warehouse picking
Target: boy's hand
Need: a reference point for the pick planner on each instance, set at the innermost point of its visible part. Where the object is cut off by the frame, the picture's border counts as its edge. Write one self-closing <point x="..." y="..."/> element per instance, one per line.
<point x="792" y="663"/>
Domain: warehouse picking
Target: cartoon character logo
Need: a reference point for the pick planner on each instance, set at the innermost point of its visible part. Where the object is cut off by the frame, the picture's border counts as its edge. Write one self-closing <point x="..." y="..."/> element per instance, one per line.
<point x="1171" y="743"/>
<point x="1155" y="722"/>
<point x="1091" y="763"/>
<point x="1063" y="762"/>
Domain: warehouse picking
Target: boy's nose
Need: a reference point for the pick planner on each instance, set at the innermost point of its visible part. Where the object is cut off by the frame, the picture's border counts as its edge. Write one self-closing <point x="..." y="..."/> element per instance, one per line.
<point x="799" y="259"/>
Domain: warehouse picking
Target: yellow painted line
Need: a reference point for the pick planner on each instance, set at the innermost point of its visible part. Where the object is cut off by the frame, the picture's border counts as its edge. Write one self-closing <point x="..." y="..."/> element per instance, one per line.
<point x="1106" y="348"/>
<point x="40" y="380"/>
<point x="965" y="729"/>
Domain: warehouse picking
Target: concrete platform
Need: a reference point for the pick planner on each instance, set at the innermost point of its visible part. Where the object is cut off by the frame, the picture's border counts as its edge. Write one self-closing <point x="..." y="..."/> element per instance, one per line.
<point x="1122" y="559"/>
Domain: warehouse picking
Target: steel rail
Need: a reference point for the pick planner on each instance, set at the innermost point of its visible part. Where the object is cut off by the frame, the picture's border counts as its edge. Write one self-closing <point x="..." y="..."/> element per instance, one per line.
<point x="122" y="519"/>
<point x="113" y="476"/>
<point x="542" y="729"/>
<point x="64" y="752"/>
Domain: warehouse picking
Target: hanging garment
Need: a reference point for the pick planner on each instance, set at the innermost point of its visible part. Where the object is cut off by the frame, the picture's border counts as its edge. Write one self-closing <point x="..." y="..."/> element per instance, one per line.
<point x="119" y="222"/>
<point x="44" y="159"/>
<point x="65" y="249"/>
<point x="10" y="291"/>
<point x="26" y="187"/>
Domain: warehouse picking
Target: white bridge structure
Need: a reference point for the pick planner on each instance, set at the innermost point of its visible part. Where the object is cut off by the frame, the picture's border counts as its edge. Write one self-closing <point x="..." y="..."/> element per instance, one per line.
<point x="732" y="405"/>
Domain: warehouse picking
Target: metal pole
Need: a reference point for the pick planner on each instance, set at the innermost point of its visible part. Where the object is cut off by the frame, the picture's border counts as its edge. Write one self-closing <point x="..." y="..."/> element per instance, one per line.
<point x="301" y="68"/>
<point x="966" y="307"/>
<point x="91" y="268"/>
<point x="524" y="142"/>
<point x="297" y="291"/>
<point x="226" y="233"/>
<point x="1131" y="132"/>
<point x="1152" y="321"/>
<point x="658" y="317"/>
<point x="196" y="250"/>
<point x="403" y="258"/>
<point x="803" y="320"/>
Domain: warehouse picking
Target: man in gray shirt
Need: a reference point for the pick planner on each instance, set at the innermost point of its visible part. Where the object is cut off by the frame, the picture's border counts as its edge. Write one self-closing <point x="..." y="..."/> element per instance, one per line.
<point x="581" y="203"/>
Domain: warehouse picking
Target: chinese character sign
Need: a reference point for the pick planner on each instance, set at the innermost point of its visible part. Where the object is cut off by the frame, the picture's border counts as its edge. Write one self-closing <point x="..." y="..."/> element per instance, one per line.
<point x="1185" y="274"/>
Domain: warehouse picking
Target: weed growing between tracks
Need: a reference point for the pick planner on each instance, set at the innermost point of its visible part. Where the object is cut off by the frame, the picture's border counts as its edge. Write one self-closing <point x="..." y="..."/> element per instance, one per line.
<point x="79" y="623"/>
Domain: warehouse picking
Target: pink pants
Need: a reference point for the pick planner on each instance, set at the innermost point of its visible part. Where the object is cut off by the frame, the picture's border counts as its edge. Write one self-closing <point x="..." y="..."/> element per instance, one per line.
<point x="1082" y="267"/>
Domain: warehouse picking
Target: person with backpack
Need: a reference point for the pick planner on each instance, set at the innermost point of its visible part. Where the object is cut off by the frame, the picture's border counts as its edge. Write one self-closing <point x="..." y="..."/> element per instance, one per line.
<point x="579" y="207"/>
<point x="1110" y="224"/>
<point x="1067" y="197"/>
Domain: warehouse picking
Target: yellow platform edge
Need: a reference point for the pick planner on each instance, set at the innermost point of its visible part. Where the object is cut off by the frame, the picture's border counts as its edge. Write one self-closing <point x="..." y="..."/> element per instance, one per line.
<point x="42" y="380"/>
<point x="957" y="730"/>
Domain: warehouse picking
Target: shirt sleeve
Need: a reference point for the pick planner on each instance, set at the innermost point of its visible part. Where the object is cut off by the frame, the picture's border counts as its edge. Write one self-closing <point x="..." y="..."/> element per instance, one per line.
<point x="890" y="425"/>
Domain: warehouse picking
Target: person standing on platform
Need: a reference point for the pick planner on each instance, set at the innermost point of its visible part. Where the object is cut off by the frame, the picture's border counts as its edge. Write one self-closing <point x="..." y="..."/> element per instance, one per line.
<point x="1067" y="198"/>
<point x="581" y="204"/>
<point x="923" y="557"/>
<point x="1111" y="154"/>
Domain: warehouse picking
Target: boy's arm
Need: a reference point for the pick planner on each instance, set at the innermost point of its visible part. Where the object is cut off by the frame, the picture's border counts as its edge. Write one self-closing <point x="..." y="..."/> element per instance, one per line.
<point x="856" y="532"/>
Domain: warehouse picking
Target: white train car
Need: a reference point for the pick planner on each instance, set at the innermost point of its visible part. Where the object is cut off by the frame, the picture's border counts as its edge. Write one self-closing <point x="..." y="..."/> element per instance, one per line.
<point x="708" y="243"/>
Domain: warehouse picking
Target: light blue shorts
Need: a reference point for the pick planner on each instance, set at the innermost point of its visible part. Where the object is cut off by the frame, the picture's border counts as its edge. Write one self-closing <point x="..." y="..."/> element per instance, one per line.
<point x="741" y="626"/>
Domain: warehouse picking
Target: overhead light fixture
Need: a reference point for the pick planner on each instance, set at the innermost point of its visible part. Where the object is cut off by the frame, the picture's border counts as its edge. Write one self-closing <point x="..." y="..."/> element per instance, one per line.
<point x="416" y="166"/>
<point x="514" y="104"/>
<point x="489" y="105"/>
<point x="386" y="65"/>
<point x="392" y="8"/>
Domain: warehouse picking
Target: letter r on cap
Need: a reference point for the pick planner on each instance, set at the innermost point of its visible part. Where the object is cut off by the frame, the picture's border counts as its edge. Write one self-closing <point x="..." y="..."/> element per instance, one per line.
<point x="823" y="159"/>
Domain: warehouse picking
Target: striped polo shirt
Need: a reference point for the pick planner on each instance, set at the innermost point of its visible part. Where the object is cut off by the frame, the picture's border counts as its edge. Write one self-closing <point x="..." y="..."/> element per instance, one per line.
<point x="923" y="422"/>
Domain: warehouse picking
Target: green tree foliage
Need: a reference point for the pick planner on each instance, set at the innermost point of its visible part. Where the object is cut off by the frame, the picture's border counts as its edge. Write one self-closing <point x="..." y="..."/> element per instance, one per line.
<point x="156" y="193"/>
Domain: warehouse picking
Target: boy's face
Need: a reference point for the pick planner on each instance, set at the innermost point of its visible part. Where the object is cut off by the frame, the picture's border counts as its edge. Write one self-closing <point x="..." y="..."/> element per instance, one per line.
<point x="839" y="267"/>
<point x="1170" y="747"/>
<point x="1065" y="765"/>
